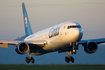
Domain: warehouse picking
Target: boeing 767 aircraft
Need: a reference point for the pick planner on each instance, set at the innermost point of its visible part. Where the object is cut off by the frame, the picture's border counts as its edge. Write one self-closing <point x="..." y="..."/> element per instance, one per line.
<point x="64" y="37"/>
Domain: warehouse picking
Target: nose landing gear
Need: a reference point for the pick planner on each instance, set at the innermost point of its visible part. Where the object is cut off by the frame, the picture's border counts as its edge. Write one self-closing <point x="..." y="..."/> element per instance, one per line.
<point x="73" y="50"/>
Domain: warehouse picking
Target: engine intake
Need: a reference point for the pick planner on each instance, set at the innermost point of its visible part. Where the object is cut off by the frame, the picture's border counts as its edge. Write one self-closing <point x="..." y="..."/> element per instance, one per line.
<point x="90" y="47"/>
<point x="22" y="48"/>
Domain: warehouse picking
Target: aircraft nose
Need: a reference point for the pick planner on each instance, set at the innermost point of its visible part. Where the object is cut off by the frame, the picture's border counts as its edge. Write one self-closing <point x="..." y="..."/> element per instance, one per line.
<point x="78" y="34"/>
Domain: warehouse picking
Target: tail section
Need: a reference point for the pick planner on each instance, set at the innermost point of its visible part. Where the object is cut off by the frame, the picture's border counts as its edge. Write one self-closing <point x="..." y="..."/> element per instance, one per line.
<point x="28" y="30"/>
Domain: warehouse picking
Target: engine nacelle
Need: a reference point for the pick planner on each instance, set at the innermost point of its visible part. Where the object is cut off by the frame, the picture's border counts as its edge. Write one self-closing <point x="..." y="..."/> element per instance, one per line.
<point x="22" y="48"/>
<point x="90" y="47"/>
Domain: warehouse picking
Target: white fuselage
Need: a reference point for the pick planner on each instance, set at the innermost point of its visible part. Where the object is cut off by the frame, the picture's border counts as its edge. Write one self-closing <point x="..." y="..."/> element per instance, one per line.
<point x="58" y="36"/>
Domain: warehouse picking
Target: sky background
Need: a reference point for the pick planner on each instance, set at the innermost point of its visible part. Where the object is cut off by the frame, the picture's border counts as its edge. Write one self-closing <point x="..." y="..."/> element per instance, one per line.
<point x="46" y="13"/>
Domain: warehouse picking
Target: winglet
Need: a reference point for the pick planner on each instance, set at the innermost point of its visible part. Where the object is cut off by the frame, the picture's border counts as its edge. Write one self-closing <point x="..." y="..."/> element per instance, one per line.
<point x="27" y="26"/>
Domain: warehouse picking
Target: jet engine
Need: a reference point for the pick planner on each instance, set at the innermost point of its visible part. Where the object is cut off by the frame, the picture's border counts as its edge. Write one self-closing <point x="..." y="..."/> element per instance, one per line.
<point x="90" y="47"/>
<point x="22" y="48"/>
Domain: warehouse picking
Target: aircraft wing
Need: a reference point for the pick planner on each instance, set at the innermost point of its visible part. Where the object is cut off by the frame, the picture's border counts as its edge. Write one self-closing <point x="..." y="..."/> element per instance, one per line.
<point x="98" y="41"/>
<point x="5" y="43"/>
<point x="40" y="43"/>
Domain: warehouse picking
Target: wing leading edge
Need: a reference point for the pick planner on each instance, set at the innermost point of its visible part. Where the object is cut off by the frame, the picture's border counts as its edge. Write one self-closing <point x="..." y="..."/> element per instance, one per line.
<point x="98" y="41"/>
<point x="5" y="43"/>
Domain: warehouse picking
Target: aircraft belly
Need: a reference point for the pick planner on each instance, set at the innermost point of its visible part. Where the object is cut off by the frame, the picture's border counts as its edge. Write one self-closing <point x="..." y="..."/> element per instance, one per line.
<point x="54" y="46"/>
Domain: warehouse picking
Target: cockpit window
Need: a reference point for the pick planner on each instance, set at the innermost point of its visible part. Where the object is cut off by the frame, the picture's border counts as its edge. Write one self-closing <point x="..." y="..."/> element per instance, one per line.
<point x="77" y="26"/>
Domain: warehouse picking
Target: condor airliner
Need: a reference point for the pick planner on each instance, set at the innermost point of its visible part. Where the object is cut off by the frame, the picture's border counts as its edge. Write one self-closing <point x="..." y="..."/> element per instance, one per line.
<point x="64" y="37"/>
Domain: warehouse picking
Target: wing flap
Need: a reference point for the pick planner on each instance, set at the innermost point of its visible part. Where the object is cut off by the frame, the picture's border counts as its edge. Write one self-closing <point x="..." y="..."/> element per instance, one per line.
<point x="4" y="45"/>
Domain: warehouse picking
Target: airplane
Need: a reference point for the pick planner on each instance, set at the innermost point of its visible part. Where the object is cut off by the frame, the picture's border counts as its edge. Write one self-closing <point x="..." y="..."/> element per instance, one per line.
<point x="64" y="37"/>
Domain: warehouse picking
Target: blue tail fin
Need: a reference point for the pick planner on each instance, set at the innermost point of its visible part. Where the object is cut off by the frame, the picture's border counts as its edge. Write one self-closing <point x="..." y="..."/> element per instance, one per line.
<point x="27" y="26"/>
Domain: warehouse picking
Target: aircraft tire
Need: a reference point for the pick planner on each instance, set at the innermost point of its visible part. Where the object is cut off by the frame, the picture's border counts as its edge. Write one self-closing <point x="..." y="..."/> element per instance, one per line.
<point x="72" y="59"/>
<point x="27" y="59"/>
<point x="67" y="59"/>
<point x="32" y="59"/>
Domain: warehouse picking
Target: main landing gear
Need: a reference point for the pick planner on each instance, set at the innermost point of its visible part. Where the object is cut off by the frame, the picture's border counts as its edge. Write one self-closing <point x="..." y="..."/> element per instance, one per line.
<point x="74" y="47"/>
<point x="70" y="58"/>
<point x="29" y="59"/>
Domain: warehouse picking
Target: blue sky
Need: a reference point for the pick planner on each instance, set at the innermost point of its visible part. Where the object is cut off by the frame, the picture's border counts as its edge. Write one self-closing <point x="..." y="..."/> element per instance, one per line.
<point x="45" y="13"/>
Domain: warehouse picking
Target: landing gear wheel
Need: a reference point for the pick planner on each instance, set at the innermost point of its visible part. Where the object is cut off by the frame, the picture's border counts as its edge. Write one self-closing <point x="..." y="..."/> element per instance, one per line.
<point x="32" y="59"/>
<point x="27" y="60"/>
<point x="67" y="59"/>
<point x="72" y="59"/>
